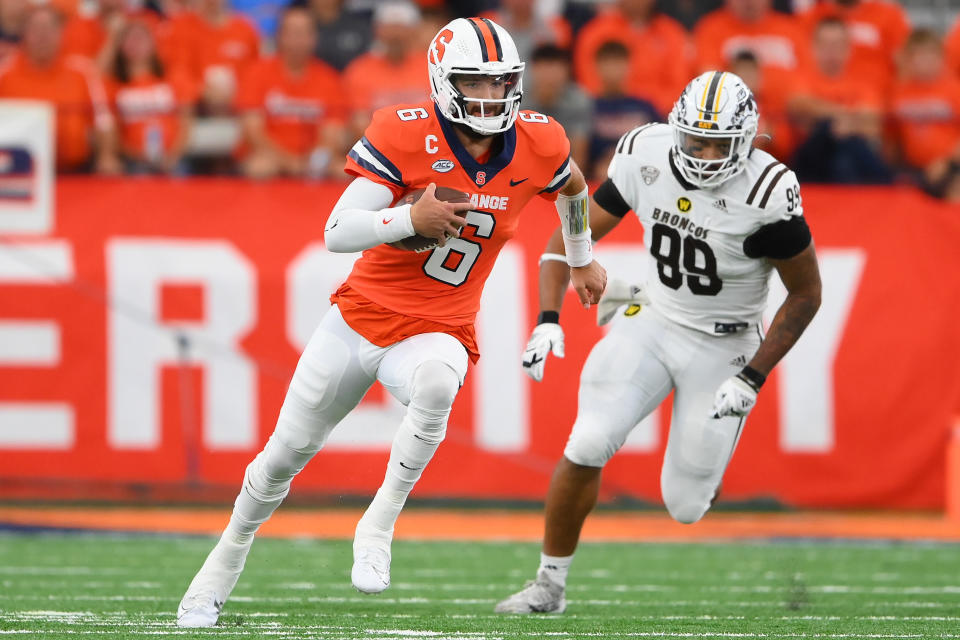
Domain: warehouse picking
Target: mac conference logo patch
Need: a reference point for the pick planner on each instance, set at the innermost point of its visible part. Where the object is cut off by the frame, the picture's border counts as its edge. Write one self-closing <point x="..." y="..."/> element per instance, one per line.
<point x="442" y="166"/>
<point x="684" y="205"/>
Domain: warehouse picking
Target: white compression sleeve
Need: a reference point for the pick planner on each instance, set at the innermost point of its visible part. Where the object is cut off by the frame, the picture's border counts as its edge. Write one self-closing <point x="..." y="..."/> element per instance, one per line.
<point x="363" y="218"/>
<point x="575" y="224"/>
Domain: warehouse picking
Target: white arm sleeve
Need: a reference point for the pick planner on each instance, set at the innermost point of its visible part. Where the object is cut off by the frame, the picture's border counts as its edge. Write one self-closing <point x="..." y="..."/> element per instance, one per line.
<point x="363" y="218"/>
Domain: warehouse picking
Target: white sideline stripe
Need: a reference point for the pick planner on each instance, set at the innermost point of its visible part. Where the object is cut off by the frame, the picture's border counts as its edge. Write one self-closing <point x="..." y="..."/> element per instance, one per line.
<point x="33" y="343"/>
<point x="47" y="425"/>
<point x="49" y="262"/>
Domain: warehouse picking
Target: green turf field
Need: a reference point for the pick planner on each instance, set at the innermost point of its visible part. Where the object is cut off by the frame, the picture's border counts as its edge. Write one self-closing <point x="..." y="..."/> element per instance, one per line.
<point x="95" y="586"/>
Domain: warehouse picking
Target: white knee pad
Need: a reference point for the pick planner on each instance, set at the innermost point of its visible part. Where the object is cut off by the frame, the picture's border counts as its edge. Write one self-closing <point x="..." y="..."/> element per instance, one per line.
<point x="687" y="496"/>
<point x="589" y="444"/>
<point x="433" y="390"/>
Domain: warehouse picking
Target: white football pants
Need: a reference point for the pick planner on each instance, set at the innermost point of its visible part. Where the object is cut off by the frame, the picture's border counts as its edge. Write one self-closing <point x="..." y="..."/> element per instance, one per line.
<point x="337" y="367"/>
<point x="629" y="373"/>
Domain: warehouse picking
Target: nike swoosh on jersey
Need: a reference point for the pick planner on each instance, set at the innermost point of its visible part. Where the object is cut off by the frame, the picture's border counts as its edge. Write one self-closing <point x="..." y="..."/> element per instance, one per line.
<point x="514" y="183"/>
<point x="387" y="220"/>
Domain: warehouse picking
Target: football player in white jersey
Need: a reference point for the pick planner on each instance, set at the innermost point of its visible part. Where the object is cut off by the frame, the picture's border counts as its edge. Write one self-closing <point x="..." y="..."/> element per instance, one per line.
<point x="718" y="215"/>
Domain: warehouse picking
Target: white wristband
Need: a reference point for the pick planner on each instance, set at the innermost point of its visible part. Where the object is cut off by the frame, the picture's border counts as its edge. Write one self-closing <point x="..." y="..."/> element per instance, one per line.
<point x="553" y="257"/>
<point x="575" y="225"/>
<point x="579" y="249"/>
<point x="394" y="223"/>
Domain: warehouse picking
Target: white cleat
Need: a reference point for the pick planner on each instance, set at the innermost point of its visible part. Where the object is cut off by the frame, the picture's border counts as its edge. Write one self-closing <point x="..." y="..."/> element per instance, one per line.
<point x="209" y="589"/>
<point x="371" y="569"/>
<point x="199" y="609"/>
<point x="538" y="596"/>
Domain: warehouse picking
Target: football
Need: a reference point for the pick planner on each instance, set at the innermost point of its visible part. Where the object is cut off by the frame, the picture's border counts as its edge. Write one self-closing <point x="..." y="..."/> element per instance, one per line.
<point x="418" y="242"/>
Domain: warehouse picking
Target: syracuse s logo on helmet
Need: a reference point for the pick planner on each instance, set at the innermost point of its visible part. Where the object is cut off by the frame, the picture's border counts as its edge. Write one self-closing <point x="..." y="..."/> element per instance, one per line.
<point x="439" y="45"/>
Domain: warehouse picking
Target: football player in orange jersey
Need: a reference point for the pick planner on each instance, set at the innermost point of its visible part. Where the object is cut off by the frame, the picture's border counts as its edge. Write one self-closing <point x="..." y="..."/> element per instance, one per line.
<point x="402" y="317"/>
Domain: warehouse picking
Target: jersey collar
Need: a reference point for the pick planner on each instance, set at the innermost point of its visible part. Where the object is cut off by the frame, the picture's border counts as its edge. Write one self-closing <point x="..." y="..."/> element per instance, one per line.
<point x="473" y="168"/>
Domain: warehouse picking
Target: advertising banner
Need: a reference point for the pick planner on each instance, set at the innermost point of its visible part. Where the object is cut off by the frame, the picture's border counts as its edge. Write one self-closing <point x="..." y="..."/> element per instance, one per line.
<point x="148" y="339"/>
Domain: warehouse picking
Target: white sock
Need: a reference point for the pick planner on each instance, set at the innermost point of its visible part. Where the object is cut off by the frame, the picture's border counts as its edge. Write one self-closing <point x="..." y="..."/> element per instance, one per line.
<point x="411" y="451"/>
<point x="556" y="568"/>
<point x="266" y="483"/>
<point x="435" y="386"/>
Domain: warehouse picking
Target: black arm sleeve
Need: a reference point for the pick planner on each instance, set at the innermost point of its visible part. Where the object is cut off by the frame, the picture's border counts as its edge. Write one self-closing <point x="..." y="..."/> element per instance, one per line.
<point x="778" y="240"/>
<point x="608" y="196"/>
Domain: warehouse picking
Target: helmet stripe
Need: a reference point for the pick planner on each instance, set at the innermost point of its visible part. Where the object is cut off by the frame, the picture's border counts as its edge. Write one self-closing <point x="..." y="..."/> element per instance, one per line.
<point x="496" y="39"/>
<point x="703" y="98"/>
<point x="716" y="103"/>
<point x="712" y="94"/>
<point x="483" y="45"/>
<point x="488" y="45"/>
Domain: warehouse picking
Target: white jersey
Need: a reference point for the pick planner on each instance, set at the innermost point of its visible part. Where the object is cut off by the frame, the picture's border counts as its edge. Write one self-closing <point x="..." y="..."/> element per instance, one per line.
<point x="703" y="278"/>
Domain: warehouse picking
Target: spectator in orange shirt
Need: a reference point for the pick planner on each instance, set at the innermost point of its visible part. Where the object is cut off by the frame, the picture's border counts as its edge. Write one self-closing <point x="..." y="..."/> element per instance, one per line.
<point x="775" y="38"/>
<point x="89" y="35"/>
<point x="659" y="50"/>
<point x="877" y="31"/>
<point x="293" y="108"/>
<point x="772" y="90"/>
<point x="153" y="106"/>
<point x="393" y="71"/>
<point x="12" y="14"/>
<point x="528" y="28"/>
<point x="925" y="115"/>
<point x="215" y="46"/>
<point x="40" y="71"/>
<point x="839" y="114"/>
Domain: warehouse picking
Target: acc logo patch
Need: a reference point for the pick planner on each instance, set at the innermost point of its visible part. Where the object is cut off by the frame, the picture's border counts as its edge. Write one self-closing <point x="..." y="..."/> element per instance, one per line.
<point x="649" y="174"/>
<point x="684" y="205"/>
<point x="442" y="166"/>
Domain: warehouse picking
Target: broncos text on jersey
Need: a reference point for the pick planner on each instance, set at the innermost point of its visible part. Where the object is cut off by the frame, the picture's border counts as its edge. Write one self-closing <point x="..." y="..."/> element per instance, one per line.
<point x="708" y="245"/>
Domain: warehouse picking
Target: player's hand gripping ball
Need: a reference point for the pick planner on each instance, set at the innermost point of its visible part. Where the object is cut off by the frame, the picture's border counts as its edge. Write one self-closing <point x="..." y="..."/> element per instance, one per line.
<point x="418" y="242"/>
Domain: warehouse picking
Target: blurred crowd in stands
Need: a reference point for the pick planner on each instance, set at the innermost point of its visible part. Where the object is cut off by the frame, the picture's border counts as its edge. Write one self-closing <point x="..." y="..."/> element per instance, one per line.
<point x="849" y="92"/>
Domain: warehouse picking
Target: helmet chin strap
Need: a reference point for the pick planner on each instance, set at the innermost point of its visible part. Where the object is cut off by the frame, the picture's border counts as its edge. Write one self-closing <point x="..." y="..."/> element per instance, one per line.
<point x="471" y="133"/>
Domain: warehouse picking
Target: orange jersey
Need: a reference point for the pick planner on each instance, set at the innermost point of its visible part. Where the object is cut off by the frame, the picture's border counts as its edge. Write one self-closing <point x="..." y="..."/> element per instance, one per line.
<point x="189" y="42"/>
<point x="772" y="96"/>
<point x="85" y="35"/>
<point x="848" y="89"/>
<point x="373" y="82"/>
<point x="660" y="55"/>
<point x="76" y="91"/>
<point x="234" y="44"/>
<point x="407" y="147"/>
<point x="175" y="42"/>
<point x="926" y="119"/>
<point x="293" y="107"/>
<point x="776" y="39"/>
<point x="149" y="103"/>
<point x="877" y="31"/>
